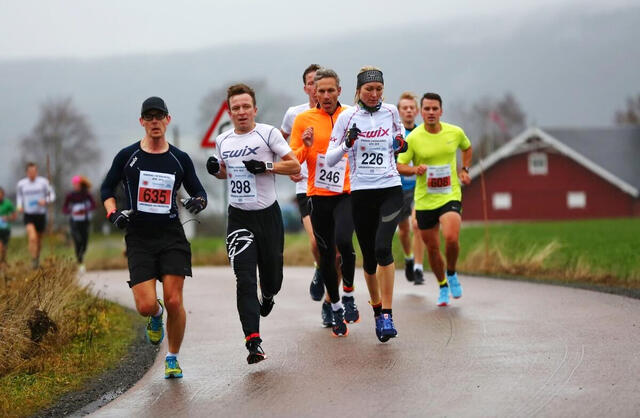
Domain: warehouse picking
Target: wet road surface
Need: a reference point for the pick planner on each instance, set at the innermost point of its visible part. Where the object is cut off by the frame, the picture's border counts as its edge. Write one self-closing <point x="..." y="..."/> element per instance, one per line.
<point x="504" y="349"/>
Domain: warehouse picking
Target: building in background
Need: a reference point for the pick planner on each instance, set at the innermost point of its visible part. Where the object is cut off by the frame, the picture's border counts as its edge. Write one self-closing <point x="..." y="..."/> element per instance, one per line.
<point x="559" y="174"/>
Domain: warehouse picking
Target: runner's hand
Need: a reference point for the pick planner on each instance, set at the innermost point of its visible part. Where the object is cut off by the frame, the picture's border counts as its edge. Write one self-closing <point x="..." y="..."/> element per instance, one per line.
<point x="307" y="136"/>
<point x="195" y="204"/>
<point x="255" y="166"/>
<point x="399" y="144"/>
<point x="465" y="178"/>
<point x="120" y="218"/>
<point x="352" y="135"/>
<point x="296" y="177"/>
<point x="421" y="169"/>
<point x="213" y="166"/>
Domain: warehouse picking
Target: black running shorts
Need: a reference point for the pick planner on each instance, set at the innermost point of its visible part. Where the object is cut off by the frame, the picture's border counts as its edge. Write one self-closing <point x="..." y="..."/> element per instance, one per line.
<point x="303" y="204"/>
<point x="5" y="234"/>
<point x="156" y="250"/>
<point x="39" y="221"/>
<point x="427" y="219"/>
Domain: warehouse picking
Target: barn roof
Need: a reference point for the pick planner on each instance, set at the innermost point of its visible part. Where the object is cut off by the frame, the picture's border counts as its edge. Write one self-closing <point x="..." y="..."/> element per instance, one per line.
<point x="611" y="153"/>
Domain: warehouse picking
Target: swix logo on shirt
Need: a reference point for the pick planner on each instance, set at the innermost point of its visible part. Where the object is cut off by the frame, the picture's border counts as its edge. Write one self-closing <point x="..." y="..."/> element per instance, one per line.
<point x="380" y="132"/>
<point x="247" y="150"/>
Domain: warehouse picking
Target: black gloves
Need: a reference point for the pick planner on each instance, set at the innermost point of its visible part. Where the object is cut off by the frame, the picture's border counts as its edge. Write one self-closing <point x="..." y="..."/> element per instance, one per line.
<point x="352" y="135"/>
<point x="399" y="144"/>
<point x="120" y="218"/>
<point x="195" y="204"/>
<point x="213" y="166"/>
<point x="255" y="166"/>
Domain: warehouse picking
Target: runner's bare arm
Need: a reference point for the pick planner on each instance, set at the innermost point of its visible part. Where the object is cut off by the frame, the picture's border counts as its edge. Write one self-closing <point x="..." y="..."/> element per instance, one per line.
<point x="288" y="165"/>
<point x="110" y="204"/>
<point x="466" y="162"/>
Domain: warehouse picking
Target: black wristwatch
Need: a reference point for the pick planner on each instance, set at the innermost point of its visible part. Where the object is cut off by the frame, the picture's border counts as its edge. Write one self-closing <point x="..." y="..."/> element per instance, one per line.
<point x="465" y="169"/>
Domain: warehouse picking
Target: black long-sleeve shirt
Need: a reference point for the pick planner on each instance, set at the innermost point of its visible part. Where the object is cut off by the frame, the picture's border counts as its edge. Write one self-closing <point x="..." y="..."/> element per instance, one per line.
<point x="151" y="182"/>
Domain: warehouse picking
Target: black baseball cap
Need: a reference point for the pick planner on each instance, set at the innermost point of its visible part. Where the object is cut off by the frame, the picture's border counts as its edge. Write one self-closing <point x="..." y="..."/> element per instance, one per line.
<point x="154" y="103"/>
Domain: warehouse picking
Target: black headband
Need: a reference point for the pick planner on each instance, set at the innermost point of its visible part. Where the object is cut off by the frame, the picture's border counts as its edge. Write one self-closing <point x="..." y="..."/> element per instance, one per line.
<point x="370" y="76"/>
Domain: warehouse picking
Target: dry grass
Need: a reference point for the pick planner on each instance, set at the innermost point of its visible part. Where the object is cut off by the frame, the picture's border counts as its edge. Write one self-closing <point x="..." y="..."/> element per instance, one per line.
<point x="53" y="335"/>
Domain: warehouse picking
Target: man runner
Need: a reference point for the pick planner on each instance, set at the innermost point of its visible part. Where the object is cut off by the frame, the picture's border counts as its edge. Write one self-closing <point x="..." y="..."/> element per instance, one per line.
<point x="408" y="110"/>
<point x="7" y="215"/>
<point x="246" y="157"/>
<point x="432" y="150"/>
<point x="316" y="289"/>
<point x="330" y="205"/>
<point x="33" y="194"/>
<point x="151" y="172"/>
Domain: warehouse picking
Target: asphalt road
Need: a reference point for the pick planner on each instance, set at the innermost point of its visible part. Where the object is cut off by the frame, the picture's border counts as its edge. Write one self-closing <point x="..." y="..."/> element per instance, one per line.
<point x="504" y="349"/>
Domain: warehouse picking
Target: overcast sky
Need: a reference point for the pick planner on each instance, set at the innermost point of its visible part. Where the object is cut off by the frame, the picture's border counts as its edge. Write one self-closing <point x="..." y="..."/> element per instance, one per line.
<point x="81" y="28"/>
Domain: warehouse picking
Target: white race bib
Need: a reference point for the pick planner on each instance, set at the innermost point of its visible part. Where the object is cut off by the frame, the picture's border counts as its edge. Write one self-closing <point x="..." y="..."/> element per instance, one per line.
<point x="371" y="156"/>
<point x="439" y="179"/>
<point x="330" y="178"/>
<point x="242" y="185"/>
<point x="155" y="191"/>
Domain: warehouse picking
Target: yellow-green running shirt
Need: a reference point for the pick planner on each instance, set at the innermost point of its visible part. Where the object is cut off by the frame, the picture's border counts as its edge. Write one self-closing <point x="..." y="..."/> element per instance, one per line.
<point x="440" y="183"/>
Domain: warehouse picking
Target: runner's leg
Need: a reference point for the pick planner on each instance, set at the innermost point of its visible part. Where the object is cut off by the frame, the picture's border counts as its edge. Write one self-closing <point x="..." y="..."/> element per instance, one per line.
<point x="32" y="237"/>
<point x="324" y="230"/>
<point x="144" y="294"/>
<point x="270" y="246"/>
<point x="431" y="238"/>
<point x="388" y="220"/>
<point x="450" y="224"/>
<point x="172" y="286"/>
<point x="342" y="214"/>
<point x="365" y="217"/>
<point x="418" y="244"/>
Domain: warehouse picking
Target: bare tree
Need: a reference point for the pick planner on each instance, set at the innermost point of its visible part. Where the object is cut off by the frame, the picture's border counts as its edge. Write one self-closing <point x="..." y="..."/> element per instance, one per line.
<point x="630" y="115"/>
<point x="64" y="135"/>
<point x="491" y="122"/>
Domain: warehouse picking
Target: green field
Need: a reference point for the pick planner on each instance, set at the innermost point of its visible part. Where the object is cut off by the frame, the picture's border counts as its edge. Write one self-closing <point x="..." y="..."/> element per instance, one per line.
<point x="595" y="251"/>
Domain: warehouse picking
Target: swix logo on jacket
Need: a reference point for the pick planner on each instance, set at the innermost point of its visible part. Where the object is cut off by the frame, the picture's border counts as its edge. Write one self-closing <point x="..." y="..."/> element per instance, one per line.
<point x="377" y="133"/>
<point x="247" y="150"/>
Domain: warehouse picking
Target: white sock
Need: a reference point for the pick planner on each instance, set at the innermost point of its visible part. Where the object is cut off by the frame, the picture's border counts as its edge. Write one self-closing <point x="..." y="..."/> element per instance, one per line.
<point x="160" y="311"/>
<point x="417" y="267"/>
<point x="169" y="354"/>
<point x="337" y="306"/>
<point x="348" y="294"/>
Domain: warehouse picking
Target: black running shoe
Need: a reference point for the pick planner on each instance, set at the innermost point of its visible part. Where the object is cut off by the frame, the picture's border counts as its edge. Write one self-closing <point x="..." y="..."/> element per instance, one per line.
<point x="351" y="314"/>
<point x="327" y="315"/>
<point x="256" y="354"/>
<point x="418" y="278"/>
<point x="339" y="326"/>
<point x="408" y="269"/>
<point x="316" y="289"/>
<point x="266" y="306"/>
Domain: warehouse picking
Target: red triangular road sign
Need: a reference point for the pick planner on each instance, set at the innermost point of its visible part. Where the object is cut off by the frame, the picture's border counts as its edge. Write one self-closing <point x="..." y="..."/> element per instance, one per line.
<point x="207" y="141"/>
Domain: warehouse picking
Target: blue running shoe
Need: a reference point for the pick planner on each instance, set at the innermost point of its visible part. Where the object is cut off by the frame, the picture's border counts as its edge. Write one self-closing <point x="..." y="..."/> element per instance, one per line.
<point x="339" y="325"/>
<point x="388" y="329"/>
<point x="316" y="289"/>
<point x="327" y="315"/>
<point x="443" y="299"/>
<point x="155" y="328"/>
<point x="455" y="286"/>
<point x="379" y="327"/>
<point x="172" y="368"/>
<point x="351" y="313"/>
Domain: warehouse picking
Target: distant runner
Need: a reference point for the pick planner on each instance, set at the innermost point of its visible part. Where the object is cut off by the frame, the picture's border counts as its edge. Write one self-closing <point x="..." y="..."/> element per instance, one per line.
<point x="79" y="204"/>
<point x="33" y="195"/>
<point x="316" y="289"/>
<point x="246" y="157"/>
<point x="330" y="204"/>
<point x="432" y="150"/>
<point x="151" y="172"/>
<point x="408" y="110"/>
<point x="7" y="215"/>
<point x="371" y="135"/>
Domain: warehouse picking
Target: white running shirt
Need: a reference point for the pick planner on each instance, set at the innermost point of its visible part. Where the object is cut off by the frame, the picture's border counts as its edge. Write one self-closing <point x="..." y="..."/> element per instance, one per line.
<point x="248" y="191"/>
<point x="287" y="125"/>
<point x="371" y="160"/>
<point x="28" y="193"/>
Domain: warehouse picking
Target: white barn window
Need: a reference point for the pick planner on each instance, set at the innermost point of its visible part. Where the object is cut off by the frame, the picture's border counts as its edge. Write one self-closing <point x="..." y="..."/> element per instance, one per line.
<point x="576" y="200"/>
<point x="538" y="164"/>
<point x="501" y="201"/>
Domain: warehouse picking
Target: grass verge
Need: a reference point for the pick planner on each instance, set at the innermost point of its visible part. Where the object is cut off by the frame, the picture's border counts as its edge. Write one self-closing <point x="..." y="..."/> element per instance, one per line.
<point x="54" y="336"/>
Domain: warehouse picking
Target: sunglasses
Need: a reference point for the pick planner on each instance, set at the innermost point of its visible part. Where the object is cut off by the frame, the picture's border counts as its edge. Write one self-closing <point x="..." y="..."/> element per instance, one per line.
<point x="152" y="116"/>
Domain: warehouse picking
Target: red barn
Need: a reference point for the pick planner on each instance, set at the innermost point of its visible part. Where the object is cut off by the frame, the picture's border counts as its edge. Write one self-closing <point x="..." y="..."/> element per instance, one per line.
<point x="559" y="174"/>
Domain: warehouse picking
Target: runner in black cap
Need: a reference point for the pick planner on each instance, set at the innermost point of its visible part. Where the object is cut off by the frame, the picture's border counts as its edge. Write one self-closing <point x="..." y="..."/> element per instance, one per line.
<point x="152" y="171"/>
